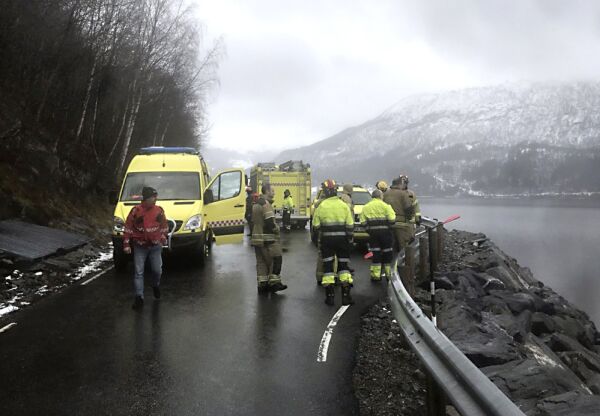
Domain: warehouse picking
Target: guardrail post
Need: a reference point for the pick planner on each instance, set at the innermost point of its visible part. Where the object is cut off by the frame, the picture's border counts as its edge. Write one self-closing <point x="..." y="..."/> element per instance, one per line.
<point x="407" y="270"/>
<point x="440" y="242"/>
<point x="432" y="244"/>
<point x="432" y="267"/>
<point x="436" y="399"/>
<point x="422" y="259"/>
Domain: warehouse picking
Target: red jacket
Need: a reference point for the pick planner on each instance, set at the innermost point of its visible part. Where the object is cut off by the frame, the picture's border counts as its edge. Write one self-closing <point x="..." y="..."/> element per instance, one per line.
<point x="146" y="226"/>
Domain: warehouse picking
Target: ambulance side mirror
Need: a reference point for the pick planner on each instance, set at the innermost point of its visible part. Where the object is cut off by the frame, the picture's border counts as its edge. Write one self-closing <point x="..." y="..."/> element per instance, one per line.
<point x="208" y="196"/>
<point x="113" y="197"/>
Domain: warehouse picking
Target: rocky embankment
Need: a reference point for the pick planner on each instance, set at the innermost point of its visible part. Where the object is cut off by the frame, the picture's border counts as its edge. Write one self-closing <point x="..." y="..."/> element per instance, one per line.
<point x="25" y="282"/>
<point x="540" y="350"/>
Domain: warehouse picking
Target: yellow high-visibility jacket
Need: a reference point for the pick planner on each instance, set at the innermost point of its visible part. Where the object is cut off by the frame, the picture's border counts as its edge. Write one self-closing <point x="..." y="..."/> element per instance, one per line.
<point x="288" y="203"/>
<point x="377" y="215"/>
<point x="333" y="218"/>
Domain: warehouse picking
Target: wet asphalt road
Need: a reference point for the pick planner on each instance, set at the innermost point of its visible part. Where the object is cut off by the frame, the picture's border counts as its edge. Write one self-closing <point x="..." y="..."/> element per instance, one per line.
<point x="210" y="346"/>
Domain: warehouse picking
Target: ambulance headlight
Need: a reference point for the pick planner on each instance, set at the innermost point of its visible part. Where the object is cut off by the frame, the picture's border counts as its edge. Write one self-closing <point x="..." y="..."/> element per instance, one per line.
<point x="193" y="223"/>
<point x="118" y="225"/>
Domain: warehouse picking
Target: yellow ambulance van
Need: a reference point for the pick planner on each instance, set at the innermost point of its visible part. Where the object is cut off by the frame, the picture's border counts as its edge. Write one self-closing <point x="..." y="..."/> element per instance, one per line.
<point x="199" y="209"/>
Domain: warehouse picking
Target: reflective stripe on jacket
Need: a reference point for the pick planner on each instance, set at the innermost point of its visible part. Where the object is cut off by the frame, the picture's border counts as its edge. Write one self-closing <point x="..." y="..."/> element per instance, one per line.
<point x="377" y="215"/>
<point x="333" y="218"/>
<point x="288" y="203"/>
<point x="264" y="228"/>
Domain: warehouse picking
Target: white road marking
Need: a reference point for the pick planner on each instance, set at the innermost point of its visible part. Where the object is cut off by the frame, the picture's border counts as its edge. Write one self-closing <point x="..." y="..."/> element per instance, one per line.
<point x="324" y="346"/>
<point x="98" y="275"/>
<point x="7" y="327"/>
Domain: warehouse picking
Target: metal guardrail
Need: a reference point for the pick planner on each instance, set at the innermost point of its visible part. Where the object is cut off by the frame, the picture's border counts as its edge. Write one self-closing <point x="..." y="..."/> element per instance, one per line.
<point x="467" y="388"/>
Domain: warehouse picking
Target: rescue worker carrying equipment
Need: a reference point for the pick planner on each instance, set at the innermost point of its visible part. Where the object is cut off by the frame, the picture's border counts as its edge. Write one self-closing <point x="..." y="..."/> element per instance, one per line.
<point x="399" y="198"/>
<point x="335" y="224"/>
<point x="378" y="217"/>
<point x="265" y="239"/>
<point x="382" y="186"/>
<point x="288" y="209"/>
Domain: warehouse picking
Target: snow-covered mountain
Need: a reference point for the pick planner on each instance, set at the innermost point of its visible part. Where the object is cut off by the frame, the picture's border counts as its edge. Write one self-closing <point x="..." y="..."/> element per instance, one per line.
<point x="511" y="139"/>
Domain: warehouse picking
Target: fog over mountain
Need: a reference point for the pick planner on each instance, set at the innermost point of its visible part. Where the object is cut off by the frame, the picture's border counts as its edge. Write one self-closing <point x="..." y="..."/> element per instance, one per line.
<point x="526" y="138"/>
<point x="219" y="159"/>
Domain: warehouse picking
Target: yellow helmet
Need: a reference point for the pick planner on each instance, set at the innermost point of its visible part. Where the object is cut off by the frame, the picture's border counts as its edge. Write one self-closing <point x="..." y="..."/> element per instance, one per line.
<point x="381" y="185"/>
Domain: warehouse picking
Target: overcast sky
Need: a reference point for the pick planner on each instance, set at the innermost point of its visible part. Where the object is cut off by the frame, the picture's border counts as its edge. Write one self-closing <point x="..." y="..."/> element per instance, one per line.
<point x="296" y="72"/>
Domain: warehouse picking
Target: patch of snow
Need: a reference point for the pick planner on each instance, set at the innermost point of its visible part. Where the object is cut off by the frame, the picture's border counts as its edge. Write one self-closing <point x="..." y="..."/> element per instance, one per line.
<point x="39" y="273"/>
<point x="541" y="357"/>
<point x="13" y="300"/>
<point x="42" y="290"/>
<point x="7" y="309"/>
<point x="93" y="266"/>
<point x="7" y="278"/>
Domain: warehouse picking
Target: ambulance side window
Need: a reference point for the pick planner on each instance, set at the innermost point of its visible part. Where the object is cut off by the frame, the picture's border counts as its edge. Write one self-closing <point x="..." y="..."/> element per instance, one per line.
<point x="226" y="186"/>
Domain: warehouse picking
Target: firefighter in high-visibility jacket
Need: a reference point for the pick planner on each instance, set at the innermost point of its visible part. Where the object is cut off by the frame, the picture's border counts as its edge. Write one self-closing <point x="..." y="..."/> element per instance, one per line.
<point x="378" y="218"/>
<point x="267" y="246"/>
<point x="333" y="220"/>
<point x="346" y="196"/>
<point x="288" y="209"/>
<point x="401" y="201"/>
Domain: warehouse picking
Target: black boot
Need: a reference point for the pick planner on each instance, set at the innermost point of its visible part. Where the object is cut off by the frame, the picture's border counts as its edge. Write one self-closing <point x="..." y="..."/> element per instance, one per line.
<point x="156" y="291"/>
<point x="277" y="287"/>
<point x="263" y="288"/>
<point x="138" y="303"/>
<point x="329" y="294"/>
<point x="346" y="298"/>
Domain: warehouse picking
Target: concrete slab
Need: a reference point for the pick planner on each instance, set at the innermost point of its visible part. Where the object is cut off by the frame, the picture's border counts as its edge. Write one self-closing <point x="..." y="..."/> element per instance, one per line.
<point x="32" y="242"/>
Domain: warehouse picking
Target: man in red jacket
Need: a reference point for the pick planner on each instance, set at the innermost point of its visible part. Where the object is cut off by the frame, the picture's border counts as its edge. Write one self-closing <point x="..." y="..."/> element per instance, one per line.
<point x="146" y="232"/>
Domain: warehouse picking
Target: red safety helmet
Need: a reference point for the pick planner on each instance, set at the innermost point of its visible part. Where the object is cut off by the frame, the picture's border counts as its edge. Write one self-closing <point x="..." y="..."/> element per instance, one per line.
<point x="329" y="187"/>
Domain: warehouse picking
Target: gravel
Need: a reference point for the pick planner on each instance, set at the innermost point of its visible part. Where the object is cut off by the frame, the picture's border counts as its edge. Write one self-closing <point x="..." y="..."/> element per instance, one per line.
<point x="388" y="379"/>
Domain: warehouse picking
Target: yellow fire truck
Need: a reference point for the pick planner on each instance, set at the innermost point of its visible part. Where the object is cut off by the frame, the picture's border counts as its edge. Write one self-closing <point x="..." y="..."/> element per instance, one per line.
<point x="199" y="209"/>
<point x="293" y="175"/>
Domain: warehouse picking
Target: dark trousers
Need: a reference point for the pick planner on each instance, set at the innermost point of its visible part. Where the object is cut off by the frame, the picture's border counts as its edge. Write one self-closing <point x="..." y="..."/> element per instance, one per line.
<point x="287" y="219"/>
<point x="332" y="247"/>
<point x="380" y="244"/>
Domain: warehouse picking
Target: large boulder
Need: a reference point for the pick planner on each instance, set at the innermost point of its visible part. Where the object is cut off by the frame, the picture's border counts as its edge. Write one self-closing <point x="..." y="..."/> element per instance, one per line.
<point x="478" y="335"/>
<point x="542" y="324"/>
<point x="568" y="404"/>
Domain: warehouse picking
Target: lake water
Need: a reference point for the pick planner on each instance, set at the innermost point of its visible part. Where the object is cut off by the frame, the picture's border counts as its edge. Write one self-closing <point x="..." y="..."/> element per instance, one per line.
<point x="559" y="240"/>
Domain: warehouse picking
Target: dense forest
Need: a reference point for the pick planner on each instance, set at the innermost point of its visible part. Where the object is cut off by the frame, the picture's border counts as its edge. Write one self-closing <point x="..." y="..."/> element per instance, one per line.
<point x="85" y="83"/>
<point x="102" y="78"/>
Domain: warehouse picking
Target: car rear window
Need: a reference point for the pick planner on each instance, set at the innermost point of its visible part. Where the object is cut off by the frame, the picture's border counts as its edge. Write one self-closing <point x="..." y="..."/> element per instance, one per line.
<point x="361" y="198"/>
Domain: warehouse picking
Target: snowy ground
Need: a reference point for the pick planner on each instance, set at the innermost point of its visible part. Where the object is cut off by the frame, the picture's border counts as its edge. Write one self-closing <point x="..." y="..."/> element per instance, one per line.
<point x="21" y="284"/>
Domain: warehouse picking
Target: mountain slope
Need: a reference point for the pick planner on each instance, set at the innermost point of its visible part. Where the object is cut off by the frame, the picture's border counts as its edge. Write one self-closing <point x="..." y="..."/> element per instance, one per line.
<point x="511" y="139"/>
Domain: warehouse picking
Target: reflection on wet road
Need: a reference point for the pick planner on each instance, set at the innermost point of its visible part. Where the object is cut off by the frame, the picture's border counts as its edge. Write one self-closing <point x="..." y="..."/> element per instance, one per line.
<point x="212" y="345"/>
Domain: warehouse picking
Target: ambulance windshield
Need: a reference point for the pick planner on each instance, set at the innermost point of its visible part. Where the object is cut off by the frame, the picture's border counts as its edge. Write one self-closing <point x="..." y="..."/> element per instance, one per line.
<point x="170" y="185"/>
